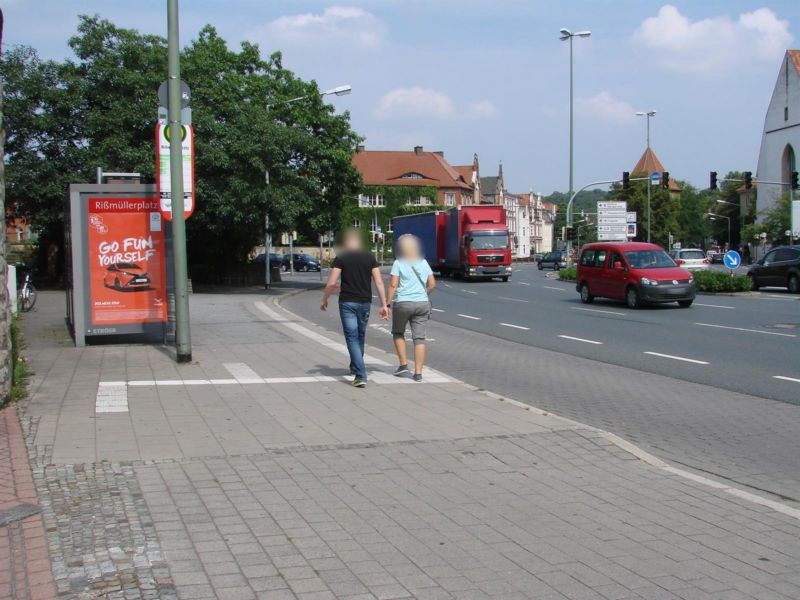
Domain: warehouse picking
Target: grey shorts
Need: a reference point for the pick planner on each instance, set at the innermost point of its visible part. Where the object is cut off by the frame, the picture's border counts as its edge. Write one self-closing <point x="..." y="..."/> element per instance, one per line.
<point x="416" y="313"/>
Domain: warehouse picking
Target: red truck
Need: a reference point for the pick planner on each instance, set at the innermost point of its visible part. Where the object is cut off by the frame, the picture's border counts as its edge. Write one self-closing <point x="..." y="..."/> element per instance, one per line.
<point x="466" y="241"/>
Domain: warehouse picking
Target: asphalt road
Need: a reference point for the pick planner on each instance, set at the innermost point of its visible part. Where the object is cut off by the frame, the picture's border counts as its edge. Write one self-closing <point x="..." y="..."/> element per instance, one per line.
<point x="530" y="339"/>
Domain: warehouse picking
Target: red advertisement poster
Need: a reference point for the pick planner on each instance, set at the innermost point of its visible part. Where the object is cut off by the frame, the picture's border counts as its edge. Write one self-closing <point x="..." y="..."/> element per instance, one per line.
<point x="127" y="262"/>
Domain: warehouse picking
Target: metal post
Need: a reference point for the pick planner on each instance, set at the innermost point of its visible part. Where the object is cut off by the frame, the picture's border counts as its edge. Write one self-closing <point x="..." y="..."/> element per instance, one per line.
<point x="569" y="214"/>
<point x="267" y="266"/>
<point x="320" y="257"/>
<point x="649" y="184"/>
<point x="291" y="253"/>
<point x="183" y="342"/>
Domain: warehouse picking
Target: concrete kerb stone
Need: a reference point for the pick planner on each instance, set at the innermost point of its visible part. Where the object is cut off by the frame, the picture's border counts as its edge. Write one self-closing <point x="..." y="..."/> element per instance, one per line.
<point x="625" y="445"/>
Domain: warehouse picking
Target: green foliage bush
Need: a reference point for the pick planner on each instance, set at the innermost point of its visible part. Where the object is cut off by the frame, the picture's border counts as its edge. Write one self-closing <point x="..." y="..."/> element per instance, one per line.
<point x="568" y="274"/>
<point x="720" y="281"/>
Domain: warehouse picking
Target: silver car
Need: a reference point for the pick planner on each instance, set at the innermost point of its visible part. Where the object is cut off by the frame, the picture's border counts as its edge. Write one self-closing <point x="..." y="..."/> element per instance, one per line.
<point x="692" y="259"/>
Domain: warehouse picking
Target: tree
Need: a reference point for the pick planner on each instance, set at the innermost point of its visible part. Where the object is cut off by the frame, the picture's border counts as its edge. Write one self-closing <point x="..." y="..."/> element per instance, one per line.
<point x="5" y="331"/>
<point x="694" y="227"/>
<point x="664" y="209"/>
<point x="775" y="221"/>
<point x="99" y="109"/>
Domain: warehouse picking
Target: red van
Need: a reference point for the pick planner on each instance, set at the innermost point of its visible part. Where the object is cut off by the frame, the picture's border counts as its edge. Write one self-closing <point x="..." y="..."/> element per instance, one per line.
<point x="635" y="272"/>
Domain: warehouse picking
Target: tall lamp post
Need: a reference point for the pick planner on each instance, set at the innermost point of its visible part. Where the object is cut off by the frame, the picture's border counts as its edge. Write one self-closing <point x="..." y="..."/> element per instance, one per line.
<point x="566" y="34"/>
<point x="648" y="114"/>
<point x="716" y="217"/>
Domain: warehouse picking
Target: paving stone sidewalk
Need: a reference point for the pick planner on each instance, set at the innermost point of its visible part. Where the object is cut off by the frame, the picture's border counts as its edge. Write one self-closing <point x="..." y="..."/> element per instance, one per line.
<point x="257" y="472"/>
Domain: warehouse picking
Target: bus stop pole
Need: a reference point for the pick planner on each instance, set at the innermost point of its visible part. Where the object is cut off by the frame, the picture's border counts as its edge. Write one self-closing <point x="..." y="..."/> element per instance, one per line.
<point x="183" y="343"/>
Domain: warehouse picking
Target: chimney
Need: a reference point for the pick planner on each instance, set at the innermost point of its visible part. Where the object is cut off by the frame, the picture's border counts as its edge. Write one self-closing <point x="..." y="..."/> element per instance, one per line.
<point x="360" y="148"/>
<point x="418" y="150"/>
<point x="440" y="153"/>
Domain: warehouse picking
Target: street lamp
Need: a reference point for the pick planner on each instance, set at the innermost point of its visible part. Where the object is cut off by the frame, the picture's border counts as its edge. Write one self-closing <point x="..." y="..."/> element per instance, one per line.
<point x="566" y="34"/>
<point x="342" y="90"/>
<point x="716" y="217"/>
<point x="648" y="114"/>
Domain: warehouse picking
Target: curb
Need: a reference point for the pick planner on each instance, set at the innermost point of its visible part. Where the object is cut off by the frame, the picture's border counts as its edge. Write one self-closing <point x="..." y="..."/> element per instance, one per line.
<point x="613" y="438"/>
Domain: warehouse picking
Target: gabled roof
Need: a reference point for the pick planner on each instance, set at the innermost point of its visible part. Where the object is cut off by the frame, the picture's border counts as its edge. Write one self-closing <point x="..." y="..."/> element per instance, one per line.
<point x="407" y="168"/>
<point x="489" y="186"/>
<point x="465" y="171"/>
<point x="649" y="163"/>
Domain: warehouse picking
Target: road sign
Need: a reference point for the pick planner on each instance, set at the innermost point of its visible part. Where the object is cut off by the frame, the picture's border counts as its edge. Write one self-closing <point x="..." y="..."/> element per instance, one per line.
<point x="795" y="218"/>
<point x="630" y="217"/>
<point x="611" y="220"/>
<point x="163" y="95"/>
<point x="630" y="232"/>
<point x="163" y="175"/>
<point x="732" y="260"/>
<point x="612" y="205"/>
<point x="655" y="177"/>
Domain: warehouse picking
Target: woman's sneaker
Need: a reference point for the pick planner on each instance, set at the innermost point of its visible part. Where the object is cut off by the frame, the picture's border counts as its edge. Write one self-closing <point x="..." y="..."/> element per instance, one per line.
<point x="359" y="383"/>
<point x="401" y="370"/>
<point x="417" y="377"/>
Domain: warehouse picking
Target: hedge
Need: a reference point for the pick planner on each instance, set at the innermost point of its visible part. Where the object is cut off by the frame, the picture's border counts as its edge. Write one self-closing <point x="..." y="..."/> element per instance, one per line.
<point x="568" y="274"/>
<point x="719" y="281"/>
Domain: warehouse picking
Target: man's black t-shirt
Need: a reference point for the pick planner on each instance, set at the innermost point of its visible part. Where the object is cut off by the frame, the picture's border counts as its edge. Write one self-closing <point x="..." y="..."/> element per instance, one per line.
<point x="356" y="266"/>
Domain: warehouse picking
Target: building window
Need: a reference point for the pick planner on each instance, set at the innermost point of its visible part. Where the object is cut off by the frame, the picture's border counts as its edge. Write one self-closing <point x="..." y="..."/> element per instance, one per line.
<point x="449" y="199"/>
<point x="412" y="175"/>
<point x="419" y="201"/>
<point x="357" y="223"/>
<point x="371" y="200"/>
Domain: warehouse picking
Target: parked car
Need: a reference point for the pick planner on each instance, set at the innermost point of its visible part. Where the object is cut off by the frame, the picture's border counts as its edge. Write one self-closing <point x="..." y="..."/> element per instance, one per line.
<point x="690" y="258"/>
<point x="275" y="260"/>
<point x="779" y="268"/>
<point x="636" y="272"/>
<point x="126" y="276"/>
<point x="302" y="262"/>
<point x="553" y="260"/>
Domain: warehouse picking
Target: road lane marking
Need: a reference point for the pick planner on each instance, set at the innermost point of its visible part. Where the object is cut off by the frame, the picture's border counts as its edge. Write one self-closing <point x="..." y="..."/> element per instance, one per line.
<point x="682" y="358"/>
<point x="745" y="329"/>
<point x="468" y="291"/>
<point x="552" y="287"/>
<point x="597" y="310"/>
<point x="714" y="305"/>
<point x="792" y="379"/>
<point x="523" y="283"/>
<point x="511" y="299"/>
<point x="515" y="326"/>
<point x="469" y="317"/>
<point x="437" y="310"/>
<point x="577" y="339"/>
<point x="447" y="285"/>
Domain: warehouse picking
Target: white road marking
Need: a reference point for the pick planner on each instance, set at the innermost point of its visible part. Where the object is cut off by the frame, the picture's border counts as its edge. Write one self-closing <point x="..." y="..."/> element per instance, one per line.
<point x="468" y="291"/>
<point x="511" y="299"/>
<point x="793" y="379"/>
<point x="745" y="329"/>
<point x="447" y="285"/>
<point x="112" y="397"/>
<point x="469" y="317"/>
<point x="437" y="310"/>
<point x="515" y="326"/>
<point x="714" y="305"/>
<point x="242" y="373"/>
<point x="552" y="287"/>
<point x="597" y="310"/>
<point x="577" y="339"/>
<point x="681" y="358"/>
<point x="523" y="283"/>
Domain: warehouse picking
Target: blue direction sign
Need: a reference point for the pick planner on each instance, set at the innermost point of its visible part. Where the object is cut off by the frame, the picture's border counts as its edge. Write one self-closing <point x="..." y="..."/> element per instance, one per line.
<point x="732" y="259"/>
<point x="655" y="177"/>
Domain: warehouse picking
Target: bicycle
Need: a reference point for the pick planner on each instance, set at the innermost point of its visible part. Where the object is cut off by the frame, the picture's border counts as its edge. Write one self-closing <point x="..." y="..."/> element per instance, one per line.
<point x="26" y="293"/>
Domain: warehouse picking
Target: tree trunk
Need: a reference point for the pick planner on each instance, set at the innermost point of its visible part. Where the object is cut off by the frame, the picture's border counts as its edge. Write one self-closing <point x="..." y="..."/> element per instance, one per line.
<point x="5" y="334"/>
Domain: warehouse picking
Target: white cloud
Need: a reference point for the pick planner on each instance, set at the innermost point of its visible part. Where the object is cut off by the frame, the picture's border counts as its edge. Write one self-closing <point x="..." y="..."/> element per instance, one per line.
<point x="603" y="106"/>
<point x="343" y="25"/>
<point x="482" y="109"/>
<point x="415" y="102"/>
<point x="680" y="44"/>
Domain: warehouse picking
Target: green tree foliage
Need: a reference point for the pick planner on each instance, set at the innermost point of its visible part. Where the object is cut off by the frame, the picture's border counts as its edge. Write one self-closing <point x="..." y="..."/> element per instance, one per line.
<point x="99" y="109"/>
<point x="694" y="227"/>
<point x="775" y="221"/>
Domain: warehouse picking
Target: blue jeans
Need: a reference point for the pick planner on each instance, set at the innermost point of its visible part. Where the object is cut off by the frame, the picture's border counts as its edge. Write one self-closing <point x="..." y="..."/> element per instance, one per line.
<point x="354" y="317"/>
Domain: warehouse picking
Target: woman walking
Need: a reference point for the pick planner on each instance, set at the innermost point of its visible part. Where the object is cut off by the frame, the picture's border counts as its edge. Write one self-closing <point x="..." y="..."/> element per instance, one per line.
<point x="411" y="282"/>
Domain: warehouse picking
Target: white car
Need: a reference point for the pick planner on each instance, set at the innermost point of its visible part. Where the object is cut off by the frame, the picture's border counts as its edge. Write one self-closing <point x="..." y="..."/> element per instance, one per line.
<point x="692" y="259"/>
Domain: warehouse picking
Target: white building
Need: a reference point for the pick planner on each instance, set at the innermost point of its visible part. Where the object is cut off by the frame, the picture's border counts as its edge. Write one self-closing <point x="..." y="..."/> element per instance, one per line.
<point x="780" y="141"/>
<point x="542" y="217"/>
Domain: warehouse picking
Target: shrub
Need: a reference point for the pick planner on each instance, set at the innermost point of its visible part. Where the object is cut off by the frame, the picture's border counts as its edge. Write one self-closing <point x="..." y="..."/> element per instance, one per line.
<point x="568" y="274"/>
<point x="720" y="281"/>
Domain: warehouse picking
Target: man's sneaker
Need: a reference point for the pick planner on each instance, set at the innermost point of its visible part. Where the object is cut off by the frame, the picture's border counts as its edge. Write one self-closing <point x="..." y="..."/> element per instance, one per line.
<point x="417" y="377"/>
<point x="401" y="370"/>
<point x="359" y="383"/>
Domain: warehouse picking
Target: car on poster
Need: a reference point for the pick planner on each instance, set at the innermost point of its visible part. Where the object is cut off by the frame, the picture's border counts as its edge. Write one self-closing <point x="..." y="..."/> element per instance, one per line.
<point x="126" y="276"/>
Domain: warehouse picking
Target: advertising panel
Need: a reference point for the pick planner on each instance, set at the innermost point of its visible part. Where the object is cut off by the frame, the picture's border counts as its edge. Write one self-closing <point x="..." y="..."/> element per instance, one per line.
<point x="126" y="261"/>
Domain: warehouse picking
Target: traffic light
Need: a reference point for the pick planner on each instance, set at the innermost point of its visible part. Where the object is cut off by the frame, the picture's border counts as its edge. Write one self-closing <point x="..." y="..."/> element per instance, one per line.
<point x="748" y="180"/>
<point x="626" y="180"/>
<point x="665" y="180"/>
<point x="795" y="184"/>
<point x="568" y="233"/>
<point x="712" y="185"/>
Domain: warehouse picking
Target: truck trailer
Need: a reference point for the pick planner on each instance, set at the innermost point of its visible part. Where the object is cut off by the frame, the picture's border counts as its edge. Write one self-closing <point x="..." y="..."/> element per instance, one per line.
<point x="429" y="228"/>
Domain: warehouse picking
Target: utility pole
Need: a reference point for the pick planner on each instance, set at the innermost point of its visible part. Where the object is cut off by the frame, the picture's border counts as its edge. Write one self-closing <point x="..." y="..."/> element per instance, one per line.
<point x="183" y="341"/>
<point x="648" y="114"/>
<point x="267" y="265"/>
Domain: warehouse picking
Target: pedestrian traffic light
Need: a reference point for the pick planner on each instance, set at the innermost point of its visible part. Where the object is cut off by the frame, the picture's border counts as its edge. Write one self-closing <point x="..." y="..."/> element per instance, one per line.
<point x="665" y="179"/>
<point x="626" y="180"/>
<point x="748" y="180"/>
<point x="712" y="185"/>
<point x="795" y="184"/>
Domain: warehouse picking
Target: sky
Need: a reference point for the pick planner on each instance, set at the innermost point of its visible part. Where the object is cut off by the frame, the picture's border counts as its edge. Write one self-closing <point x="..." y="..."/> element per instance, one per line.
<point x="492" y="77"/>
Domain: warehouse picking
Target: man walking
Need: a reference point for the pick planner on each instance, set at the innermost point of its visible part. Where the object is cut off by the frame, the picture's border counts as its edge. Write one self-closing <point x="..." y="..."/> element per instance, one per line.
<point x="356" y="269"/>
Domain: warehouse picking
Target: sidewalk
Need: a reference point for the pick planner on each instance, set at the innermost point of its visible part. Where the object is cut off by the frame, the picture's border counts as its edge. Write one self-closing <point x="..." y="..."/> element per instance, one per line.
<point x="257" y="472"/>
